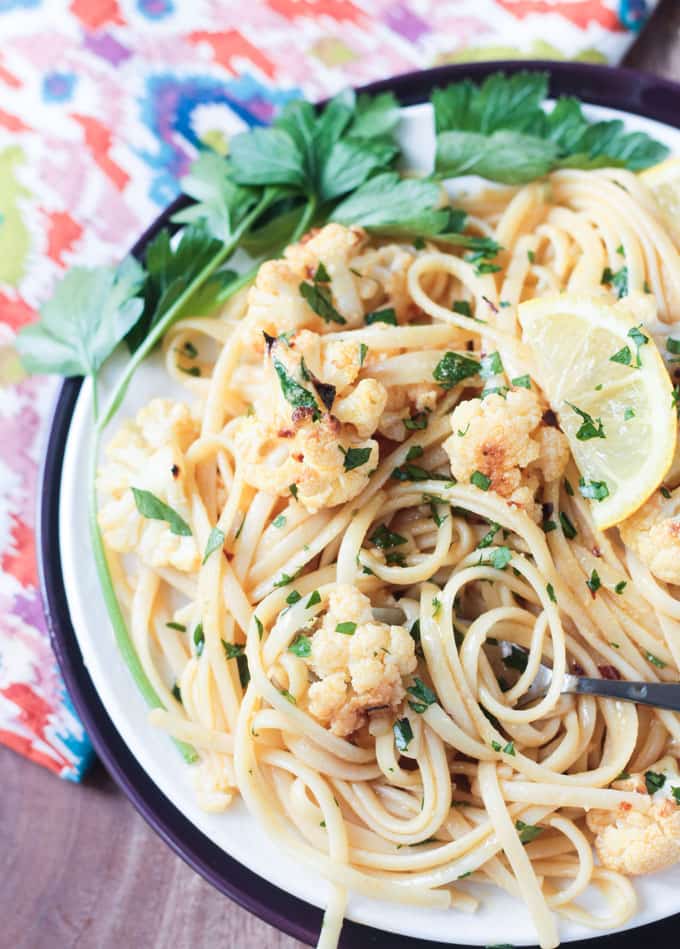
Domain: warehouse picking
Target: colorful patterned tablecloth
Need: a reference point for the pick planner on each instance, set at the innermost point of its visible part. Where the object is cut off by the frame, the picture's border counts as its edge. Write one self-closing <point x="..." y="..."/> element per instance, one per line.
<point x="102" y="105"/>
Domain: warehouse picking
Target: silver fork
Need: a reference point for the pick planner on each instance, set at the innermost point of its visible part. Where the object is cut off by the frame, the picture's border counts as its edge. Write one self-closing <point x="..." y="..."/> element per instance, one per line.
<point x="658" y="694"/>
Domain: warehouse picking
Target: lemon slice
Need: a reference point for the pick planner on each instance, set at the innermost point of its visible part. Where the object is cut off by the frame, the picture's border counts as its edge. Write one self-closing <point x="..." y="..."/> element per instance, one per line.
<point x="663" y="181"/>
<point x="618" y="414"/>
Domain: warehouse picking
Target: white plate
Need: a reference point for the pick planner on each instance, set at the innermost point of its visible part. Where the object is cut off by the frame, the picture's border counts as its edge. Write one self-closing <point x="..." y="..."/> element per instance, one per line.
<point x="500" y="919"/>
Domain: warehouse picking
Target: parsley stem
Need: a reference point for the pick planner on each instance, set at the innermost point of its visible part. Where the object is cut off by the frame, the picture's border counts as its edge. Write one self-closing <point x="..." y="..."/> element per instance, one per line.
<point x="159" y="330"/>
<point x="305" y="220"/>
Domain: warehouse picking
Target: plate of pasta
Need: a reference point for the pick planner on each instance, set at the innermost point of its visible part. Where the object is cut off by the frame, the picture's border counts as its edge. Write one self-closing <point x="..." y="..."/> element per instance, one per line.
<point x="378" y="418"/>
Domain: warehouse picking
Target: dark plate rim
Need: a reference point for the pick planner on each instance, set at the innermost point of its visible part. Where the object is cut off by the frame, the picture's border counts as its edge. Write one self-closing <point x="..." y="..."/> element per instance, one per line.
<point x="618" y="88"/>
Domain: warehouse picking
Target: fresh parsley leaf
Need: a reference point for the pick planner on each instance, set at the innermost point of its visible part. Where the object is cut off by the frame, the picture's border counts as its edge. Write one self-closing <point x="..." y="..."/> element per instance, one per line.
<point x="180" y="627"/>
<point x="416" y="423"/>
<point x="293" y="598"/>
<point x="313" y="600"/>
<point x="620" y="587"/>
<point x="153" y="508"/>
<point x="462" y="307"/>
<point x="499" y="558"/>
<point x="415" y="451"/>
<point x="356" y="457"/>
<point x="301" y="646"/>
<point x="388" y="204"/>
<point x="347" y="628"/>
<point x="654" y="781"/>
<point x="452" y="368"/>
<point x="640" y="340"/>
<point x="220" y="203"/>
<point x="673" y="346"/>
<point x="403" y="733"/>
<point x="551" y="593"/>
<point x="593" y="582"/>
<point x="215" y="542"/>
<point x="589" y="428"/>
<point x="89" y="313"/>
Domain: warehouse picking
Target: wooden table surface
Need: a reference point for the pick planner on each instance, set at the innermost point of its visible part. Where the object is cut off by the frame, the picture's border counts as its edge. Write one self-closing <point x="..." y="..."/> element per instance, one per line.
<point x="79" y="866"/>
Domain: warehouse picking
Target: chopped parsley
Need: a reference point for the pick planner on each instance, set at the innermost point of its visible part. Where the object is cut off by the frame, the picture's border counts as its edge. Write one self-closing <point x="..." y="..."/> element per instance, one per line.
<point x="347" y="628"/>
<point x="590" y="428"/>
<point x="286" y="694"/>
<point x="363" y="350"/>
<point x="673" y="346"/>
<point x="436" y="605"/>
<point x="177" y="626"/>
<point x="301" y="646"/>
<point x="415" y="451"/>
<point x="355" y="457"/>
<point x="258" y="624"/>
<point x="620" y="587"/>
<point x="654" y="781"/>
<point x="665" y="493"/>
<point x="293" y="597"/>
<point x="417" y="422"/>
<point x="498" y="558"/>
<point x="480" y="480"/>
<point x="313" y="600"/>
<point x="279" y="521"/>
<point x="383" y="537"/>
<point x="487" y="539"/>
<point x="403" y="733"/>
<point x="551" y="593"/>
<point x="388" y="315"/>
<point x="522" y="382"/>
<point x="452" y="368"/>
<point x="568" y="488"/>
<point x="618" y="280"/>
<point x="295" y="394"/>
<point x="462" y="307"/>
<point x="237" y="652"/>
<point x="293" y="488"/>
<point x="424" y="695"/>
<point x="215" y="542"/>
<point x="567" y="527"/>
<point x="594" y="490"/>
<point x="628" y="414"/>
<point x="532" y="256"/>
<point x="527" y="832"/>
<point x="199" y="639"/>
<point x="593" y="582"/>
<point x="318" y="298"/>
<point x="624" y="355"/>
<point x="676" y="794"/>
<point x="491" y="365"/>
<point x="176" y="694"/>
<point x="154" y="509"/>
<point x="655" y="661"/>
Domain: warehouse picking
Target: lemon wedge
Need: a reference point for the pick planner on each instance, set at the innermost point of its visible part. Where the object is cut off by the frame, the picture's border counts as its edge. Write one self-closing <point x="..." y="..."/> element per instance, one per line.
<point x="604" y="377"/>
<point x="663" y="180"/>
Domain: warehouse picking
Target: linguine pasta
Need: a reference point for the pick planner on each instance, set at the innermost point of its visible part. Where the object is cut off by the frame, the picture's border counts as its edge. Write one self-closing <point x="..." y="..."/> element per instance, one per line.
<point x="377" y="494"/>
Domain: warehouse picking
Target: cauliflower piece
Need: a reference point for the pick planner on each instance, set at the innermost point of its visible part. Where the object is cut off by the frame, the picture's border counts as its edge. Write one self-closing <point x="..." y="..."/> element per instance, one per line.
<point x="363" y="407"/>
<point x="632" y="842"/>
<point x="505" y="439"/>
<point x="404" y="402"/>
<point x="213" y="784"/>
<point x="309" y="456"/>
<point x="148" y="453"/>
<point x="335" y="246"/>
<point x="275" y="305"/>
<point x="653" y="534"/>
<point x="361" y="671"/>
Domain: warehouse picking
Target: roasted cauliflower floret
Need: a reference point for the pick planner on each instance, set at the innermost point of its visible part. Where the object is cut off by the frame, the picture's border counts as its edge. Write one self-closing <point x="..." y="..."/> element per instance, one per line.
<point x="362" y="407"/>
<point x="361" y="664"/>
<point x="275" y="305"/>
<point x="309" y="460"/>
<point x="334" y="246"/>
<point x="405" y="402"/>
<point x="505" y="439"/>
<point x="632" y="842"/>
<point x="148" y="453"/>
<point x="653" y="533"/>
<point x="384" y="271"/>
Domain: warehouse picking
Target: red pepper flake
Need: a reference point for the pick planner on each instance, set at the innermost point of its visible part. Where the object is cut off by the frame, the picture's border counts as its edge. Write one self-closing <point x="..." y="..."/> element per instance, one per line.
<point x="608" y="672"/>
<point x="577" y="669"/>
<point x="301" y="414"/>
<point x="285" y="433"/>
<point x="596" y="552"/>
<point x="549" y="418"/>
